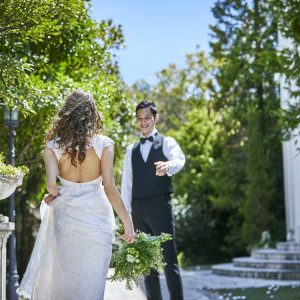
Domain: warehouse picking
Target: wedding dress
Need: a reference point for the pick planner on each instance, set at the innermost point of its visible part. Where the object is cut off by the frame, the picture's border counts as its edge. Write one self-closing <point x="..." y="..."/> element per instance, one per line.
<point x="73" y="248"/>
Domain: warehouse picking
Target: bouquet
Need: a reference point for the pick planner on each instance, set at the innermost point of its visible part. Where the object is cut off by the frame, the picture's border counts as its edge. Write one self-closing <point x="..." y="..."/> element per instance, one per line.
<point x="133" y="261"/>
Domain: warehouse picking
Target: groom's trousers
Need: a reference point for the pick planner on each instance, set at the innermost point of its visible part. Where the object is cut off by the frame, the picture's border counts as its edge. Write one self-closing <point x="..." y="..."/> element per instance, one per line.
<point x="154" y="215"/>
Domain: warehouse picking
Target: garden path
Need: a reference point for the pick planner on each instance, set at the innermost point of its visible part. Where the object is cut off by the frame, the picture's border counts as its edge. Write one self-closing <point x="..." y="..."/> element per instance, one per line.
<point x="195" y="285"/>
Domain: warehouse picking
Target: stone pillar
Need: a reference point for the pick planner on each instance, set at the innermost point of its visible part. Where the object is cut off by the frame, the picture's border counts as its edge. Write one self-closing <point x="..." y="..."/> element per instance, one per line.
<point x="291" y="161"/>
<point x="6" y="229"/>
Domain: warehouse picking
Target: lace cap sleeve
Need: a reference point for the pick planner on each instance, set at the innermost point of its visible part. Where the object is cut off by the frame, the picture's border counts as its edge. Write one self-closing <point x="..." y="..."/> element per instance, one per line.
<point x="50" y="144"/>
<point x="100" y="142"/>
<point x="55" y="147"/>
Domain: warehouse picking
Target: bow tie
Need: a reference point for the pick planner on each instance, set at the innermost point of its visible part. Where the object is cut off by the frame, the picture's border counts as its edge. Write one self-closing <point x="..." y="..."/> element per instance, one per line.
<point x="143" y="140"/>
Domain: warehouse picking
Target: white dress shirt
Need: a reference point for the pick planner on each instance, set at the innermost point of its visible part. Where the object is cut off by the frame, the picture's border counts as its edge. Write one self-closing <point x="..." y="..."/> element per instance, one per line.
<point x="172" y="152"/>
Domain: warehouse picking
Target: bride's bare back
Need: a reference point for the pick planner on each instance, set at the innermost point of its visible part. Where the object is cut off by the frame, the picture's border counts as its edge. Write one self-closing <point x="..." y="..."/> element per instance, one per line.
<point x="89" y="170"/>
<point x="78" y="120"/>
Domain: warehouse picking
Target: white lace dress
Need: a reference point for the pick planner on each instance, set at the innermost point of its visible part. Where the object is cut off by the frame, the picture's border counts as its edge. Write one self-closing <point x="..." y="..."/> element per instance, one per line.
<point x="73" y="248"/>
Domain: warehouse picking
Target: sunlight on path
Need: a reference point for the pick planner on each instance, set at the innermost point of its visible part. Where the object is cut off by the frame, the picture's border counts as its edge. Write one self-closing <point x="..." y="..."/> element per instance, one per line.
<point x="192" y="289"/>
<point x="115" y="290"/>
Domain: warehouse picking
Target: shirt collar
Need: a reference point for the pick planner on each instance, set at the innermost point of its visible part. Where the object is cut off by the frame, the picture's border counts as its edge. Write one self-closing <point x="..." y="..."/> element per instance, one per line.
<point x="151" y="134"/>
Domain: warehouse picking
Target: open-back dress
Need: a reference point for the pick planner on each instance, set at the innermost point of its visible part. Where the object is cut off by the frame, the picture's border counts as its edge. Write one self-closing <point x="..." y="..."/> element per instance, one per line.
<point x="73" y="248"/>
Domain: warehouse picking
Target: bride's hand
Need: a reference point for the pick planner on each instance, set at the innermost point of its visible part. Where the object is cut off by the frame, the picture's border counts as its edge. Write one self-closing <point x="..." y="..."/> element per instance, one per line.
<point x="129" y="234"/>
<point x="49" y="198"/>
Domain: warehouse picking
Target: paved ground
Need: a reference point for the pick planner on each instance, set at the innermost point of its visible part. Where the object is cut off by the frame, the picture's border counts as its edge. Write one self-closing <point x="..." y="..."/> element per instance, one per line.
<point x="195" y="285"/>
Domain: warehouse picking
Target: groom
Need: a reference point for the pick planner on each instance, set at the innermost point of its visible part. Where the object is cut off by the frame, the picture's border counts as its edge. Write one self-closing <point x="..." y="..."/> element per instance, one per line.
<point x="146" y="191"/>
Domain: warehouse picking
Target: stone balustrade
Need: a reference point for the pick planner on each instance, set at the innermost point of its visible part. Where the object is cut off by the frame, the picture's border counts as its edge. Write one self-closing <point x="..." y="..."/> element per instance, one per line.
<point x="6" y="229"/>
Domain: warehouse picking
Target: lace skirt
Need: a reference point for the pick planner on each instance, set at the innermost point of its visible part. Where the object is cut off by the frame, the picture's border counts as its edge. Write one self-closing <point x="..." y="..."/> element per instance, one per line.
<point x="73" y="248"/>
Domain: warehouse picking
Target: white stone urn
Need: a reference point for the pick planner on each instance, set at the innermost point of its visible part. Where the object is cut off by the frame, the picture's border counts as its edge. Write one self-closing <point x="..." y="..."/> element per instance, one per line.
<point x="8" y="185"/>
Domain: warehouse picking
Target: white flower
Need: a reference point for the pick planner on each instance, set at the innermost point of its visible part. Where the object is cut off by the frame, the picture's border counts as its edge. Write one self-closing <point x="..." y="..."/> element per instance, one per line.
<point x="130" y="258"/>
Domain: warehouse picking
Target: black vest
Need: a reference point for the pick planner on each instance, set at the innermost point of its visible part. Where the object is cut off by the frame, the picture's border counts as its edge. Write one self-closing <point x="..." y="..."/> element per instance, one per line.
<point x="144" y="181"/>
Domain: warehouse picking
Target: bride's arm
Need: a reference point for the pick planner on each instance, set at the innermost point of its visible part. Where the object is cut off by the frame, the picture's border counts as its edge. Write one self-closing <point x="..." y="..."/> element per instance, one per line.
<point x="51" y="165"/>
<point x="113" y="194"/>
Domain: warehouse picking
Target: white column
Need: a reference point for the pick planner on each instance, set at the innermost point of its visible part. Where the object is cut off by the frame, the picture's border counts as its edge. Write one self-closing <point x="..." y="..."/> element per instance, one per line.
<point x="6" y="229"/>
<point x="291" y="162"/>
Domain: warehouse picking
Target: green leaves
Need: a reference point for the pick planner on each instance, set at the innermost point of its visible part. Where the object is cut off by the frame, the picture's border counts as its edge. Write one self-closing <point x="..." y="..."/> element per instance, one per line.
<point x="50" y="38"/>
<point x="9" y="171"/>
<point x="56" y="50"/>
<point x="288" y="19"/>
<point x="30" y="20"/>
<point x="245" y="44"/>
<point x="133" y="261"/>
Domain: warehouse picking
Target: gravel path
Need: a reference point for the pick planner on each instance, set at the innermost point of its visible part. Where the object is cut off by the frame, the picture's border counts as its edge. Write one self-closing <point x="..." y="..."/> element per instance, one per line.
<point x="195" y="285"/>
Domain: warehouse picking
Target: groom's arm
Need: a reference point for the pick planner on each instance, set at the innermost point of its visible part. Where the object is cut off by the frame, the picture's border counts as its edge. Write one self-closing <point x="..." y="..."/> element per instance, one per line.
<point x="126" y="187"/>
<point x="174" y="154"/>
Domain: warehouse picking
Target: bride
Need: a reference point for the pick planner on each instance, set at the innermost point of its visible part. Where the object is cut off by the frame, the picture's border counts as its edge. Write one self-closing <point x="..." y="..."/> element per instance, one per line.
<point x="73" y="248"/>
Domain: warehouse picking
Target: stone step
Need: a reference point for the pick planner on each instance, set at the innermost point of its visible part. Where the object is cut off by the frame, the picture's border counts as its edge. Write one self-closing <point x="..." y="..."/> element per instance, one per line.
<point x="275" y="254"/>
<point x="231" y="270"/>
<point x="250" y="262"/>
<point x="288" y="246"/>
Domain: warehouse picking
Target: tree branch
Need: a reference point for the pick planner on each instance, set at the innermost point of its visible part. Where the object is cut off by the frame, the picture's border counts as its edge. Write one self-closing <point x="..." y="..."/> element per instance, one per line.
<point x="30" y="161"/>
<point x="29" y="143"/>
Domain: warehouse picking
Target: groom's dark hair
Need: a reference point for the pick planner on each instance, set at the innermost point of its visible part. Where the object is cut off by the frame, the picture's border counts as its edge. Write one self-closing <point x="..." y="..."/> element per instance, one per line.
<point x="145" y="104"/>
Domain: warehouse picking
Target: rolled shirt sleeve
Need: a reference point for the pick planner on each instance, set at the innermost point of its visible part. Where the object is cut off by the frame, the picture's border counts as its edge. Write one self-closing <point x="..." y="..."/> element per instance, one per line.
<point x="174" y="154"/>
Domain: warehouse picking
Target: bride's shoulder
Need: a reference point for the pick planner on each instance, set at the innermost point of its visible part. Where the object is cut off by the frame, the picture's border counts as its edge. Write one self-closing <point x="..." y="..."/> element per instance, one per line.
<point x="53" y="144"/>
<point x="103" y="140"/>
<point x="100" y="142"/>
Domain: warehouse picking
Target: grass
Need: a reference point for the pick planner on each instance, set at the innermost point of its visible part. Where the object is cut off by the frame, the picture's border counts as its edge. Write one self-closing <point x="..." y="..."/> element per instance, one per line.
<point x="271" y="292"/>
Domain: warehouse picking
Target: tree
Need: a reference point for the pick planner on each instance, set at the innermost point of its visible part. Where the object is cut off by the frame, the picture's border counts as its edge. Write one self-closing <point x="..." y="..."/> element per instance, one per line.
<point x="244" y="43"/>
<point x="200" y="224"/>
<point x="31" y="22"/>
<point x="180" y="90"/>
<point x="48" y="64"/>
<point x="287" y="14"/>
<point x="224" y="112"/>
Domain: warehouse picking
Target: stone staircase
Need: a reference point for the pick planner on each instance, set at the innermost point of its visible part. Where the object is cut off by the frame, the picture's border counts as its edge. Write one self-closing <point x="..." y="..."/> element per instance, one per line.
<point x="282" y="263"/>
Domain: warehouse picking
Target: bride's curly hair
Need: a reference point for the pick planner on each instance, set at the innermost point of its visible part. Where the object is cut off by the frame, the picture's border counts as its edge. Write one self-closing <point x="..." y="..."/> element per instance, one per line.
<point x="75" y="124"/>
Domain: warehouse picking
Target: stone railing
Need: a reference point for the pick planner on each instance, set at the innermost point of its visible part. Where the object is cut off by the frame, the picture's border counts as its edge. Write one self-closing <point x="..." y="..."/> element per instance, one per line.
<point x="7" y="187"/>
<point x="6" y="229"/>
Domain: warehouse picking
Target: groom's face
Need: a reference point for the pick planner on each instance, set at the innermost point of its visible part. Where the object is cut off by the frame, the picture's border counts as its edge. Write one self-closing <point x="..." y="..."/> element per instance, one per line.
<point x="145" y="120"/>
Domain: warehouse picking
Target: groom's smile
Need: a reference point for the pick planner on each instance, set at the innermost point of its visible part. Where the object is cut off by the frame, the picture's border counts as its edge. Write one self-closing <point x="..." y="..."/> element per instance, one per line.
<point x="146" y="121"/>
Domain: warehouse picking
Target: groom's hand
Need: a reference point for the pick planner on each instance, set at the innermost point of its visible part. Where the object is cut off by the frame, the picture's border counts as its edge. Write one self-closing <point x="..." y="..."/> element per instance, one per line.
<point x="162" y="168"/>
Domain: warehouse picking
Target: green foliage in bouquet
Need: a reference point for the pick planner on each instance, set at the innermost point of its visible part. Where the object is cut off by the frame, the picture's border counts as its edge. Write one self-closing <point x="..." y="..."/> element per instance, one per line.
<point x="10" y="171"/>
<point x="133" y="261"/>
